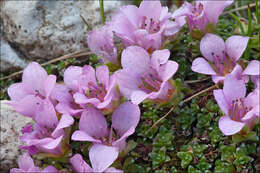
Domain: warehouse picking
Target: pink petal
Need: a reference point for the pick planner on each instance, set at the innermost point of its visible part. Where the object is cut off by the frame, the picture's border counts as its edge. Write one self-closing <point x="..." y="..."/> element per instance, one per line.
<point x="49" y="84"/>
<point x="127" y="81"/>
<point x="89" y="75"/>
<point x="254" y="113"/>
<point x="233" y="88"/>
<point x="50" y="169"/>
<point x="167" y="70"/>
<point x="218" y="79"/>
<point x="127" y="115"/>
<point x="138" y="96"/>
<point x="25" y="162"/>
<point x="79" y="164"/>
<point x="221" y="100"/>
<point x="212" y="45"/>
<point x="34" y="75"/>
<point x="228" y="126"/>
<point x="82" y="99"/>
<point x="159" y="57"/>
<point x="23" y="108"/>
<point x="114" y="170"/>
<point x="253" y="98"/>
<point x="102" y="156"/>
<point x="53" y="144"/>
<point x="146" y="7"/>
<point x="18" y="91"/>
<point x="82" y="136"/>
<point x="45" y="112"/>
<point x="235" y="46"/>
<point x="120" y="143"/>
<point x="135" y="58"/>
<point x="184" y="10"/>
<point x="71" y="76"/>
<point x="93" y="123"/>
<point x="253" y="68"/>
<point x="62" y="94"/>
<point x="65" y="121"/>
<point x="102" y="74"/>
<point x="218" y="6"/>
<point x="200" y="65"/>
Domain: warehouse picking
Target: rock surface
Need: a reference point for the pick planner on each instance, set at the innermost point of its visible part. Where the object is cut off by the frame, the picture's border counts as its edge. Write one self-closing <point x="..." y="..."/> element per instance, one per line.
<point x="11" y="126"/>
<point x="43" y="30"/>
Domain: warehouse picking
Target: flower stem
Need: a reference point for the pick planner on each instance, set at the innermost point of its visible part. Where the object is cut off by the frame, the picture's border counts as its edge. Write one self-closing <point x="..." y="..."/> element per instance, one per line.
<point x="101" y="4"/>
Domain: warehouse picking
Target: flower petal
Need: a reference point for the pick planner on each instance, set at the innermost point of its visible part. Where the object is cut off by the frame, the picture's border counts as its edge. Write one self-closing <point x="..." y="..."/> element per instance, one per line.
<point x="49" y="84"/>
<point x="18" y="91"/>
<point x="135" y="58"/>
<point x="200" y="65"/>
<point x="65" y="121"/>
<point x="159" y="57"/>
<point x="82" y="136"/>
<point x="233" y="88"/>
<point x="127" y="115"/>
<point x="228" y="126"/>
<point x="102" y="156"/>
<point x="167" y="70"/>
<point x="221" y="100"/>
<point x="79" y="164"/>
<point x="146" y="7"/>
<point x="50" y="169"/>
<point x="102" y="74"/>
<point x="138" y="96"/>
<point x="71" y="76"/>
<point x="211" y="46"/>
<point x="253" y="68"/>
<point x="25" y="162"/>
<point x="34" y="75"/>
<point x="93" y="123"/>
<point x="235" y="46"/>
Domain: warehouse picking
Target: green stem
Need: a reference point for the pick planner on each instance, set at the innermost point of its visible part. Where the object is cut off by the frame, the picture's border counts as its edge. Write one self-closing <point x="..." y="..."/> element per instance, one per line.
<point x="249" y="30"/>
<point x="239" y="22"/>
<point x="257" y="12"/>
<point x="101" y="4"/>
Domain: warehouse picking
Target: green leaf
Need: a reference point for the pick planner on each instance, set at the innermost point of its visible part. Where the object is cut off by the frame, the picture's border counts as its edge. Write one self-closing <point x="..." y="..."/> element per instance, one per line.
<point x="186" y="158"/>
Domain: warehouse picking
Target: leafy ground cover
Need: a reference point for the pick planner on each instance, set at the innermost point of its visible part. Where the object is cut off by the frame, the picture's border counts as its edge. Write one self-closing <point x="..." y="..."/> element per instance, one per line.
<point x="188" y="139"/>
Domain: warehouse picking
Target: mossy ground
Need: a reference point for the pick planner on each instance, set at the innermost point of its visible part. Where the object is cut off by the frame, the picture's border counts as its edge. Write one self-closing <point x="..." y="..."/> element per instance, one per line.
<point x="188" y="140"/>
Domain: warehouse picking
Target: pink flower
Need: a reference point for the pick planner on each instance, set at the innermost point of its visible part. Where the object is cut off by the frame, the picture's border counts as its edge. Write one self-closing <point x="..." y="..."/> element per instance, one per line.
<point x="26" y="164"/>
<point x="46" y="135"/>
<point x="221" y="57"/>
<point x="253" y="69"/>
<point x="239" y="110"/>
<point x="33" y="92"/>
<point x="93" y="126"/>
<point x="143" y="77"/>
<point x="101" y="157"/>
<point x="101" y="42"/>
<point x="146" y="26"/>
<point x="201" y="13"/>
<point x="85" y="86"/>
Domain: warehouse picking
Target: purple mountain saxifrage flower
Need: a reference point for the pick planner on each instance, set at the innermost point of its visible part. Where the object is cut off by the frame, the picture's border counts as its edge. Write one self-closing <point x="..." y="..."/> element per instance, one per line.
<point x="146" y="26"/>
<point x="85" y="86"/>
<point x="101" y="42"/>
<point x="47" y="134"/>
<point x="143" y="77"/>
<point x="26" y="164"/>
<point x="101" y="157"/>
<point x="33" y="94"/>
<point x="202" y="15"/>
<point x="220" y="58"/>
<point x="93" y="126"/>
<point x="239" y="110"/>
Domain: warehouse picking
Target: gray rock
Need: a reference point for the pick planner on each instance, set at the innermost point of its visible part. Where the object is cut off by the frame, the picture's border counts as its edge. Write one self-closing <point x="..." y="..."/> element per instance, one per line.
<point x="9" y="58"/>
<point x="43" y="30"/>
<point x="11" y="126"/>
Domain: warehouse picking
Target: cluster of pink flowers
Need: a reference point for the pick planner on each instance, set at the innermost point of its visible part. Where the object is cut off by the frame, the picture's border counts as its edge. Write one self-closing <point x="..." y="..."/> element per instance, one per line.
<point x="98" y="96"/>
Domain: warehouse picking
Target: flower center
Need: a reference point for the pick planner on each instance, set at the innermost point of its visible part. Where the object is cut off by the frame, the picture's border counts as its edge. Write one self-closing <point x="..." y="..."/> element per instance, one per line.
<point x="222" y="65"/>
<point x="197" y="9"/>
<point x="150" y="82"/>
<point x="150" y="25"/>
<point x="238" y="110"/>
<point x="95" y="91"/>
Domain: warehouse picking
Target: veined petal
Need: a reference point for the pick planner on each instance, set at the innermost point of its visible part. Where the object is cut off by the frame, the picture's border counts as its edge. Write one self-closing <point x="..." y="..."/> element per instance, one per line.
<point x="138" y="96"/>
<point x="229" y="127"/>
<point x="25" y="162"/>
<point x="102" y="74"/>
<point x="146" y="7"/>
<point x="93" y="123"/>
<point x="200" y="65"/>
<point x="18" y="91"/>
<point x="79" y="164"/>
<point x="167" y="70"/>
<point x="221" y="100"/>
<point x="127" y="115"/>
<point x="235" y="46"/>
<point x="102" y="156"/>
<point x="65" y="121"/>
<point x="253" y="68"/>
<point x="159" y="57"/>
<point x="82" y="136"/>
<point x="49" y="84"/>
<point x="71" y="76"/>
<point x="212" y="46"/>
